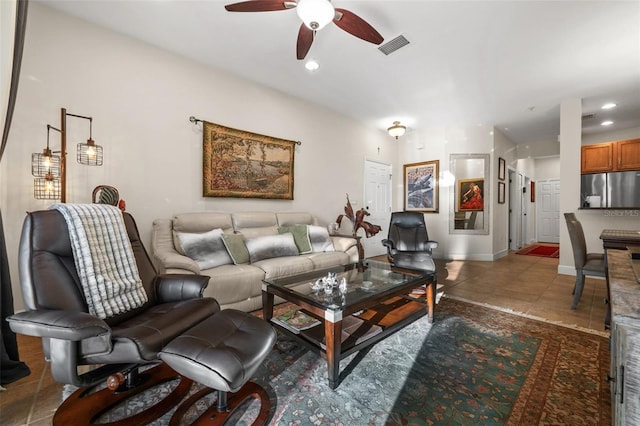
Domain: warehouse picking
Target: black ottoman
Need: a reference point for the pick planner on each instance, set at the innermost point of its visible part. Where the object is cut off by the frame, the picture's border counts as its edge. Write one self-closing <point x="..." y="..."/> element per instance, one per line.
<point x="222" y="353"/>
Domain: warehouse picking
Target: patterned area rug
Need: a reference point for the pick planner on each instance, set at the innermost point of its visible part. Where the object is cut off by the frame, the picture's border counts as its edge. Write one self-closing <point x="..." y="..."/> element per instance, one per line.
<point x="541" y="250"/>
<point x="474" y="365"/>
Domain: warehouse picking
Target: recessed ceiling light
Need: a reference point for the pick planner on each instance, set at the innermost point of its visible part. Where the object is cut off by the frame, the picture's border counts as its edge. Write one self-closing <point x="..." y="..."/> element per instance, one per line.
<point x="608" y="105"/>
<point x="312" y="65"/>
<point x="606" y="123"/>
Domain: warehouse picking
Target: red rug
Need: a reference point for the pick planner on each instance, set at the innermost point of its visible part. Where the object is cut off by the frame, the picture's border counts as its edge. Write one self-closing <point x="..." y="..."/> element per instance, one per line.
<point x="540" y="250"/>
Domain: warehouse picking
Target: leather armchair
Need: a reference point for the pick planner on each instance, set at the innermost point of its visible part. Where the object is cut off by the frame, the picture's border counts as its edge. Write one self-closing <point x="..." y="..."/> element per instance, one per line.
<point x="71" y="337"/>
<point x="408" y="244"/>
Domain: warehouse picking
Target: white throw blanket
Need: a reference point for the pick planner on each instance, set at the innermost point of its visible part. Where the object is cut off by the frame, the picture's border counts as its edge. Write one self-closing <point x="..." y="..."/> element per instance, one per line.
<point x="104" y="258"/>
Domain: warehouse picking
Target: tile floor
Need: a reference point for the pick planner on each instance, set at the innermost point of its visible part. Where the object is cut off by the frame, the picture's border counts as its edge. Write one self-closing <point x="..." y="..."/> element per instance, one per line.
<point x="525" y="284"/>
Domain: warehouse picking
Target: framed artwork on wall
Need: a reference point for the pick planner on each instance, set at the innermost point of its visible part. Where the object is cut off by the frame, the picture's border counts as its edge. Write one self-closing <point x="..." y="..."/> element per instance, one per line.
<point x="501" y="168"/>
<point x="421" y="186"/>
<point x="470" y="195"/>
<point x="501" y="189"/>
<point x="241" y="164"/>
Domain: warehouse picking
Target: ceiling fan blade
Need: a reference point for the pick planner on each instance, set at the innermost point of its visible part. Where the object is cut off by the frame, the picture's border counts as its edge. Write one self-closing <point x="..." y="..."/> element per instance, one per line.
<point x="355" y="25"/>
<point x="305" y="38"/>
<point x="259" y="6"/>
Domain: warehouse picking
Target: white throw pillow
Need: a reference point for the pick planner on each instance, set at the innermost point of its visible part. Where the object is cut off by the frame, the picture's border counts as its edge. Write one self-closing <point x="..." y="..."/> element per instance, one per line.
<point x="320" y="239"/>
<point x="206" y="249"/>
<point x="271" y="246"/>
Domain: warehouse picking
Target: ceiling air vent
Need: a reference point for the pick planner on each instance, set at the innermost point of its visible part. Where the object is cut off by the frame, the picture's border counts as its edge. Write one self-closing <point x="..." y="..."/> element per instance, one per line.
<point x="588" y="117"/>
<point x="393" y="45"/>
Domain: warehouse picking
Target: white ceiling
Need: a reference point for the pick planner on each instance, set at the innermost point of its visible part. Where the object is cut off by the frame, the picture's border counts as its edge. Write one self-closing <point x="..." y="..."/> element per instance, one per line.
<point x="503" y="63"/>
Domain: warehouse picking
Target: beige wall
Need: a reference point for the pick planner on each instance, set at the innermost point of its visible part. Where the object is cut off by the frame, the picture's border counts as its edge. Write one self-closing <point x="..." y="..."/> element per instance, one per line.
<point x="437" y="144"/>
<point x="140" y="98"/>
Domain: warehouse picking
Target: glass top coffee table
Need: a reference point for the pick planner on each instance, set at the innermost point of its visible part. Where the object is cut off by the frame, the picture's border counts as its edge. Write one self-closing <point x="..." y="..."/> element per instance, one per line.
<point x="355" y="306"/>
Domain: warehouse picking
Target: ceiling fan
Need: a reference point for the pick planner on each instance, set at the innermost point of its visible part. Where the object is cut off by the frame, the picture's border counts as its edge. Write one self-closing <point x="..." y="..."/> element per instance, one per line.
<point x="315" y="14"/>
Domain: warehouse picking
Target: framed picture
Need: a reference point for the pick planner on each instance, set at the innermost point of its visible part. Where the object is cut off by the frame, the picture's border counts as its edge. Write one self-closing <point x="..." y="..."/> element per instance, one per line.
<point x="501" y="189"/>
<point x="470" y="195"/>
<point x="241" y="164"/>
<point x="533" y="192"/>
<point x="501" y="168"/>
<point x="421" y="186"/>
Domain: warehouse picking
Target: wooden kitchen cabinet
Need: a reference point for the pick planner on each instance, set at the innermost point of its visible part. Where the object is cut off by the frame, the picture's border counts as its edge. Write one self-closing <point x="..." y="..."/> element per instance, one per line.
<point x="597" y="158"/>
<point x="611" y="156"/>
<point x="628" y="155"/>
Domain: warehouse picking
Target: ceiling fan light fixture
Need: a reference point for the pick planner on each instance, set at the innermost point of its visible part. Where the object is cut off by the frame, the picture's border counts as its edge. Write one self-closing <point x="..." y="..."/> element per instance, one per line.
<point x="315" y="13"/>
<point x="397" y="129"/>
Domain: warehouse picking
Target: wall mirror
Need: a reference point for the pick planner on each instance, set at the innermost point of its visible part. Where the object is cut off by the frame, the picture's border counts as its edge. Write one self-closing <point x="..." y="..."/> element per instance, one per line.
<point x="469" y="194"/>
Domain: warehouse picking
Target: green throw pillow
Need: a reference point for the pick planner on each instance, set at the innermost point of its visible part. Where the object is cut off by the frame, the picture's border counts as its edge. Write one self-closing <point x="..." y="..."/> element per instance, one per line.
<point x="236" y="248"/>
<point x="300" y="236"/>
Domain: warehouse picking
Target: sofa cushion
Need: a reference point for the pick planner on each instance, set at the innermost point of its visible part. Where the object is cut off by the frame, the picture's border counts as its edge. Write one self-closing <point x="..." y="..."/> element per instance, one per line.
<point x="320" y="239"/>
<point x="230" y="284"/>
<point x="255" y="224"/>
<point x="328" y="259"/>
<point x="271" y="246"/>
<point x="284" y="266"/>
<point x="300" y="236"/>
<point x="207" y="248"/>
<point x="295" y="218"/>
<point x="236" y="248"/>
<point x="202" y="222"/>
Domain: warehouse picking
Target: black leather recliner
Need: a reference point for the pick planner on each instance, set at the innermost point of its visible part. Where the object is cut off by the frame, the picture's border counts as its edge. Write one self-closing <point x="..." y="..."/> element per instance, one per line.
<point x="408" y="244"/>
<point x="71" y="337"/>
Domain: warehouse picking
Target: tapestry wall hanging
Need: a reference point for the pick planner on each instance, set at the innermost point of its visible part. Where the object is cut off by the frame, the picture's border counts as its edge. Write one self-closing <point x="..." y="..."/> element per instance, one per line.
<point x="241" y="164"/>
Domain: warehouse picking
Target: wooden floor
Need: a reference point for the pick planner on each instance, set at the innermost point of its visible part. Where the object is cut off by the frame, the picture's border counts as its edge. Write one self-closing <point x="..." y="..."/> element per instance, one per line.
<point x="525" y="284"/>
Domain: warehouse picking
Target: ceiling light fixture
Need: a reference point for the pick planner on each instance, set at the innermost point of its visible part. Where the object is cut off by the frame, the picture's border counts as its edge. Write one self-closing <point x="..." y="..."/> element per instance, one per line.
<point x="397" y="129"/>
<point x="312" y="65"/>
<point x="609" y="105"/>
<point x="606" y="123"/>
<point x="315" y="13"/>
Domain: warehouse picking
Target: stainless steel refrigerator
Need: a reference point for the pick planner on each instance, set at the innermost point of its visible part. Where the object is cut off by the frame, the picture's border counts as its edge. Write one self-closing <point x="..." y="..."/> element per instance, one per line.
<point x="612" y="190"/>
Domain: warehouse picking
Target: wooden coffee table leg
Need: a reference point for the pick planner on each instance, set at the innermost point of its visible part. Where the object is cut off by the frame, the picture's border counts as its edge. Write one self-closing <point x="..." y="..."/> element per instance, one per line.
<point x="431" y="299"/>
<point x="333" y="334"/>
<point x="267" y="305"/>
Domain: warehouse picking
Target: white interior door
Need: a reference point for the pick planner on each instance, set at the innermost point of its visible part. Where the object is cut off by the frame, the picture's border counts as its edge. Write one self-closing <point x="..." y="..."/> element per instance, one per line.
<point x="377" y="201"/>
<point x="377" y="190"/>
<point x="548" y="211"/>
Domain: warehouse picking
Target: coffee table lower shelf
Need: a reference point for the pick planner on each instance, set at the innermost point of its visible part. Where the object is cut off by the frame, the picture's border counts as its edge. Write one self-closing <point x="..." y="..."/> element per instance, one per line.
<point x="369" y="327"/>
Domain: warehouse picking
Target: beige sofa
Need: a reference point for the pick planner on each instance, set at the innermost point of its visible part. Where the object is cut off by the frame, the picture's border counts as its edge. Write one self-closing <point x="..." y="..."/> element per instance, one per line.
<point x="237" y="283"/>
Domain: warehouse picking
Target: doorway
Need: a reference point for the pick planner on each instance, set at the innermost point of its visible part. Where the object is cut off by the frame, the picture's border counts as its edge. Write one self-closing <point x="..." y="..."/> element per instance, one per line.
<point x="377" y="202"/>
<point x="548" y="211"/>
<point x="515" y="209"/>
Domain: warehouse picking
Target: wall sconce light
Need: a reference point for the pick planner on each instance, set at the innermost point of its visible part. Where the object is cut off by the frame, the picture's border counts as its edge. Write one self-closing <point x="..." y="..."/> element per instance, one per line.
<point x="50" y="170"/>
<point x="397" y="129"/>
